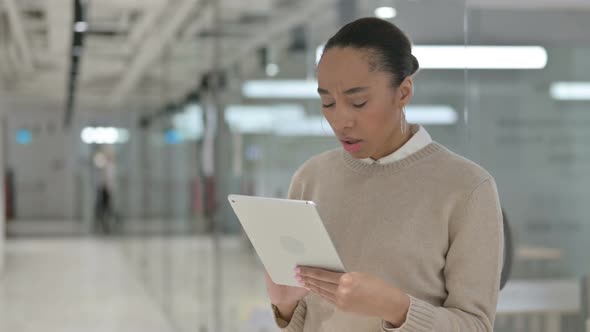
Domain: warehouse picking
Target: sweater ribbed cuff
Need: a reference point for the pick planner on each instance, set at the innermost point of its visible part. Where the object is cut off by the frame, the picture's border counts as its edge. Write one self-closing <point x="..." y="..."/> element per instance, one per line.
<point x="420" y="317"/>
<point x="297" y="321"/>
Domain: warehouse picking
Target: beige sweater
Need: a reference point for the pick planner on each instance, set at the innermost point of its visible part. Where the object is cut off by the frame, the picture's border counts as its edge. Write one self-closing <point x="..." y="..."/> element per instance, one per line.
<point x="429" y="224"/>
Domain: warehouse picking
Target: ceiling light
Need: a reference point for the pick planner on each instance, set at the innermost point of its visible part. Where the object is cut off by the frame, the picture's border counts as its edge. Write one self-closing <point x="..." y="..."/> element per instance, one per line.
<point x="309" y="126"/>
<point x="385" y="13"/>
<point x="272" y="69"/>
<point x="475" y="57"/>
<point x="298" y="89"/>
<point x="261" y="118"/>
<point x="431" y="114"/>
<point x="570" y="90"/>
<point x="80" y="27"/>
<point x="480" y="57"/>
<point x="104" y="135"/>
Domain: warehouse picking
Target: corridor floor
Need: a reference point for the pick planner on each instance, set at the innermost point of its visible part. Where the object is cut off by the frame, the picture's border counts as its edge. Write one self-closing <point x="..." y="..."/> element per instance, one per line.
<point x="73" y="285"/>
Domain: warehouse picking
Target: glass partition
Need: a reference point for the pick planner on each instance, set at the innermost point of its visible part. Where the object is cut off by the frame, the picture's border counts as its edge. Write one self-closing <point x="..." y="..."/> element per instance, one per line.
<point x="500" y="84"/>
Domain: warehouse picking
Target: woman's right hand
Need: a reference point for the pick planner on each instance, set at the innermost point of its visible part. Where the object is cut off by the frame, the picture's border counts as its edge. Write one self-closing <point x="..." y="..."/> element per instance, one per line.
<point x="284" y="297"/>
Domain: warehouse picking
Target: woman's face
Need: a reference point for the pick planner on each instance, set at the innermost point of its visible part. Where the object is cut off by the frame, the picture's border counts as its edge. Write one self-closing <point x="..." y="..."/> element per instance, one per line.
<point x="361" y="105"/>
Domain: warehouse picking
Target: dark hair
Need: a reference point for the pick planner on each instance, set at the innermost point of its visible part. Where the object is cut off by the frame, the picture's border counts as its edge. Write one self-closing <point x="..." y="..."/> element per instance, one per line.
<point x="390" y="50"/>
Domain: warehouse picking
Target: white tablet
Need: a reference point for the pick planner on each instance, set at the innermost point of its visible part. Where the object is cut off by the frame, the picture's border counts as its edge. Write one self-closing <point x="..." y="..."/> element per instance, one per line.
<point x="286" y="233"/>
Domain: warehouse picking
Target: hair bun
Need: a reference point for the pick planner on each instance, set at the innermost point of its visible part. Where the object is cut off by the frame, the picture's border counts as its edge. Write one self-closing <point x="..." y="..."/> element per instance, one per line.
<point x="415" y="64"/>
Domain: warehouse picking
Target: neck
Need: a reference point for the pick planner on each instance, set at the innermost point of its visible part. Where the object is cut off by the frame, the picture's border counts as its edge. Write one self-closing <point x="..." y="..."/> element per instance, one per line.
<point x="397" y="139"/>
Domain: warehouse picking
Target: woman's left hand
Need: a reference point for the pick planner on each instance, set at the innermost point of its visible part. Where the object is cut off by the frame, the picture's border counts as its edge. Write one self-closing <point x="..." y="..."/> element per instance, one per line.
<point x="358" y="293"/>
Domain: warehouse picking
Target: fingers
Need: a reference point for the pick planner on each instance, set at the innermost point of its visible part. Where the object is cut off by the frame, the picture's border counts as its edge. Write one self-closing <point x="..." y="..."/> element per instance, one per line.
<point x="319" y="274"/>
<point x="321" y="285"/>
<point x="325" y="294"/>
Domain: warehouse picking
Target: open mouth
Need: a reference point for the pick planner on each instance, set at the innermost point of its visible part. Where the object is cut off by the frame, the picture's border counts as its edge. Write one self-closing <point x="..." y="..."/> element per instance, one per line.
<point x="351" y="144"/>
<point x="349" y="140"/>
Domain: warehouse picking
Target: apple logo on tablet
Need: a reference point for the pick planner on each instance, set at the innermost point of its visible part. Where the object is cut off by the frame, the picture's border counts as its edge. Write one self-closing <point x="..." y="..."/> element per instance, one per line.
<point x="292" y="245"/>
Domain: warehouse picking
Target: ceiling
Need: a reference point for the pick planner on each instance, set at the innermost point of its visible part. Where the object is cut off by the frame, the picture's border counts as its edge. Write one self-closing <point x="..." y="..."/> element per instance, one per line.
<point x="141" y="52"/>
<point x="127" y="44"/>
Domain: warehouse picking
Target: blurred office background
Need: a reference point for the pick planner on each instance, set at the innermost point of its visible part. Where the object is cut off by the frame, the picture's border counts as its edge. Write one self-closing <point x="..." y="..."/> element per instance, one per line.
<point x="191" y="100"/>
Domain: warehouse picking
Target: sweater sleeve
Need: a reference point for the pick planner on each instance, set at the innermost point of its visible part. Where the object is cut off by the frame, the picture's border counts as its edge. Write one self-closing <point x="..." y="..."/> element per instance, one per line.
<point x="297" y="321"/>
<point x="472" y="270"/>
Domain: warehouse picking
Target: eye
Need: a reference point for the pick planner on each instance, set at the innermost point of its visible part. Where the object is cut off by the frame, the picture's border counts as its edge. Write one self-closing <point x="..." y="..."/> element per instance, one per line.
<point x="327" y="105"/>
<point x="359" y="105"/>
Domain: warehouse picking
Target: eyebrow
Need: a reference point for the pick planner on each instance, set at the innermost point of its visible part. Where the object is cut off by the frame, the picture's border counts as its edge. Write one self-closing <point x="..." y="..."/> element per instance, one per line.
<point x="347" y="92"/>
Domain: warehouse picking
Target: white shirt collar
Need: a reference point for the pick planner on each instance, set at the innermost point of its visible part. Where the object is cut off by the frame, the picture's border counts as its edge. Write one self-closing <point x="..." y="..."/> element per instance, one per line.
<point x="420" y="139"/>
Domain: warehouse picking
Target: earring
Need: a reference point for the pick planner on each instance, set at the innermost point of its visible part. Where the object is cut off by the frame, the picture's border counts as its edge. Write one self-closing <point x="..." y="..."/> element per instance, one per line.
<point x="402" y="121"/>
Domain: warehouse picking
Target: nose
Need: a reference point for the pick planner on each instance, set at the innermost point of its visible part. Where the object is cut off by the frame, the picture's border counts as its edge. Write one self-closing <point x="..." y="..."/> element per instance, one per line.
<point x="343" y="119"/>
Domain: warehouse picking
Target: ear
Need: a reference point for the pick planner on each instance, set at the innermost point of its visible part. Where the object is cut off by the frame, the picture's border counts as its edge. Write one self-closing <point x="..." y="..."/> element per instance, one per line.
<point x="406" y="90"/>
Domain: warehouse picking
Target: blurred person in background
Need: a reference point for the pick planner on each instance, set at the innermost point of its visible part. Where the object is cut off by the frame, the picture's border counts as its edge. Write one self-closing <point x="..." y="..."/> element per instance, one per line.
<point x="104" y="211"/>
